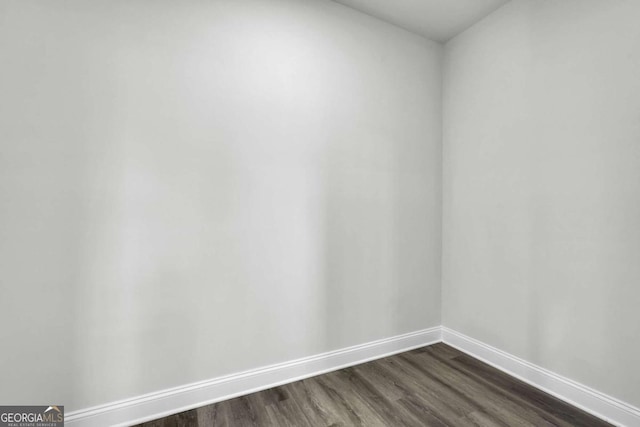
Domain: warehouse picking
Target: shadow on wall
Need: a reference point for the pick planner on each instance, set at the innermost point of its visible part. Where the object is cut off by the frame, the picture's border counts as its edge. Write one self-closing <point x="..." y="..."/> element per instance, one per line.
<point x="542" y="129"/>
<point x="190" y="195"/>
<point x="381" y="237"/>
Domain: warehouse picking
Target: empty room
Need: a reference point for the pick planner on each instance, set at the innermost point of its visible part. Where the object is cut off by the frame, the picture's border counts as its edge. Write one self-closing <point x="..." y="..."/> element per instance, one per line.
<point x="319" y="213"/>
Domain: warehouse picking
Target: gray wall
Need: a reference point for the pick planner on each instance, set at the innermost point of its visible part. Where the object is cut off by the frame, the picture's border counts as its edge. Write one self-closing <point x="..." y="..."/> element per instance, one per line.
<point x="190" y="189"/>
<point x="542" y="187"/>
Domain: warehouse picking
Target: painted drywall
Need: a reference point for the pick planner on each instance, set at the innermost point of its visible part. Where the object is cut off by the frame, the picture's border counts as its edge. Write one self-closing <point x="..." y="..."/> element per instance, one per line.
<point x="541" y="244"/>
<point x="191" y="189"/>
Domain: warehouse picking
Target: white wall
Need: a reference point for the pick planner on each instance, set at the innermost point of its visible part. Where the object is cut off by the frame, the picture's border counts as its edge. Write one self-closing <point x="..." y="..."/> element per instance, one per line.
<point x="542" y="187"/>
<point x="190" y="189"/>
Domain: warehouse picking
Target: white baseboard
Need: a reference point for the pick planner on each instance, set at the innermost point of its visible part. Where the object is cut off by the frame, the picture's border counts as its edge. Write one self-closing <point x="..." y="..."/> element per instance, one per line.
<point x="167" y="402"/>
<point x="583" y="397"/>
<point x="161" y="404"/>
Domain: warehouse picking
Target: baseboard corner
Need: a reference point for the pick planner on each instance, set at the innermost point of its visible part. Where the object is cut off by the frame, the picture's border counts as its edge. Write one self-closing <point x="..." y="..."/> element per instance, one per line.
<point x="589" y="400"/>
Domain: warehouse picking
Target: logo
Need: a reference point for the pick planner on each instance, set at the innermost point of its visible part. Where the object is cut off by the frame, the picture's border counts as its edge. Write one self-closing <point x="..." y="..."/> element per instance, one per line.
<point x="32" y="416"/>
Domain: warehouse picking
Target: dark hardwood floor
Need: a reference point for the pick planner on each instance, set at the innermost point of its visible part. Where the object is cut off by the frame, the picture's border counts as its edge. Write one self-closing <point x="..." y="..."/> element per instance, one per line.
<point x="432" y="386"/>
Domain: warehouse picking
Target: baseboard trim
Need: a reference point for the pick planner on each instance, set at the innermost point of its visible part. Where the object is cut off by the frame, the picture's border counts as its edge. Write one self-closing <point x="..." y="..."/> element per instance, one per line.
<point x="581" y="396"/>
<point x="171" y="401"/>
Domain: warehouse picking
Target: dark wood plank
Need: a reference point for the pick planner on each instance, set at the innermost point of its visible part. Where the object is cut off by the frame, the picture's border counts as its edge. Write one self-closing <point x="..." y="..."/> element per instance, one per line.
<point x="432" y="386"/>
<point x="318" y="407"/>
<point x="555" y="410"/>
<point x="436" y="398"/>
<point x="484" y="398"/>
<point x="354" y="409"/>
<point x="379" y="402"/>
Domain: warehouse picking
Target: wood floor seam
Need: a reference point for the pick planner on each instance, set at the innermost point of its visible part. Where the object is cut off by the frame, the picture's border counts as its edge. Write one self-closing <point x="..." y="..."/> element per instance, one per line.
<point x="436" y="385"/>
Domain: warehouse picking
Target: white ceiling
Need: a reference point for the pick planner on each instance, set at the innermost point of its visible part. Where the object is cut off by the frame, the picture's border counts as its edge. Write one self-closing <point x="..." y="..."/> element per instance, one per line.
<point x="437" y="20"/>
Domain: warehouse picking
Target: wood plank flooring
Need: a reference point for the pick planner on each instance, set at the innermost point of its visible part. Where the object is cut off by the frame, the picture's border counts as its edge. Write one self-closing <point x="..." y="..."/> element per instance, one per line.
<point x="432" y="386"/>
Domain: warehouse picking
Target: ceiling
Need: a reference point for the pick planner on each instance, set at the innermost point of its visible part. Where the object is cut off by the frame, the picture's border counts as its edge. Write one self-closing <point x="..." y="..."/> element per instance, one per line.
<point x="437" y="20"/>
